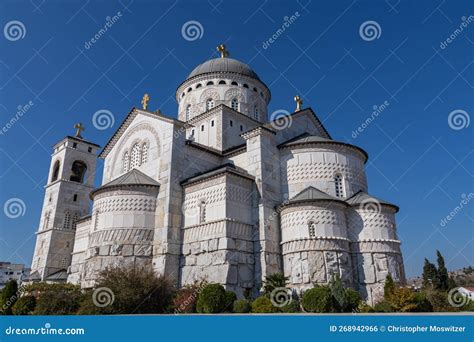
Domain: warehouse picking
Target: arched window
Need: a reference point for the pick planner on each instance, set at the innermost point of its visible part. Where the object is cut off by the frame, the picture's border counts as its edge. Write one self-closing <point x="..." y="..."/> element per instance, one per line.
<point x="135" y="157"/>
<point x="125" y="162"/>
<point x="144" y="153"/>
<point x="209" y="104"/>
<point x="67" y="220"/>
<point x="96" y="221"/>
<point x="312" y="229"/>
<point x="255" y="113"/>
<point x="78" y="170"/>
<point x="234" y="104"/>
<point x="234" y="83"/>
<point x="199" y="85"/>
<point x="222" y="82"/>
<point x="189" y="89"/>
<point x="55" y="176"/>
<point x="245" y="85"/>
<point x="210" y="83"/>
<point x="188" y="111"/>
<point x="339" y="187"/>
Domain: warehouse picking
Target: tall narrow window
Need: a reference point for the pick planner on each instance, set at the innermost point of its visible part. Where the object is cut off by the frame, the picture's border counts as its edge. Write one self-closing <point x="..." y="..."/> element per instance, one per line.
<point x="78" y="171"/>
<point x="96" y="221"/>
<point x="67" y="220"/>
<point x="135" y="157"/>
<point x="188" y="112"/>
<point x="202" y="211"/>
<point x="46" y="220"/>
<point x="144" y="153"/>
<point x="209" y="104"/>
<point x="312" y="229"/>
<point x="55" y="171"/>
<point x="125" y="162"/>
<point x="339" y="186"/>
<point x="255" y="113"/>
<point x="74" y="220"/>
<point x="234" y="104"/>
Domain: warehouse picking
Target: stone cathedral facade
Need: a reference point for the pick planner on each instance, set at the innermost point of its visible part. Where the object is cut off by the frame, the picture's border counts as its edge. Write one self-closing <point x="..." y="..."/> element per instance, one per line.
<point x="220" y="193"/>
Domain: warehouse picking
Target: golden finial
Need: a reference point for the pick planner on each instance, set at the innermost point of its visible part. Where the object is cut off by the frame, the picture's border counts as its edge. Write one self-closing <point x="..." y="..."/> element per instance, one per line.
<point x="223" y="51"/>
<point x="145" y="100"/>
<point x="79" y="128"/>
<point x="299" y="103"/>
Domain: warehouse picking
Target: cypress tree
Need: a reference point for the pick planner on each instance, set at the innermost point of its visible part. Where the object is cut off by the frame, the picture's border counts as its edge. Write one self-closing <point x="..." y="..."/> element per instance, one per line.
<point x="430" y="275"/>
<point x="442" y="273"/>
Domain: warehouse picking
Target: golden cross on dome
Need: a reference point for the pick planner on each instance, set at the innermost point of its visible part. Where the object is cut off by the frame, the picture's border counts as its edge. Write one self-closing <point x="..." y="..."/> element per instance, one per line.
<point x="145" y="100"/>
<point x="79" y="128"/>
<point x="223" y="51"/>
<point x="299" y="103"/>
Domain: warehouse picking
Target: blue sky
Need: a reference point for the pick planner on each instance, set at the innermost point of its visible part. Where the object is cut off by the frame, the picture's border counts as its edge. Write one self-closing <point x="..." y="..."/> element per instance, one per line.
<point x="420" y="157"/>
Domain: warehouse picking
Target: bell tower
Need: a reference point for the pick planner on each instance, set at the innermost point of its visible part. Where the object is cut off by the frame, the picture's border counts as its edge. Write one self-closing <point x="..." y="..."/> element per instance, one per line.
<point x="70" y="180"/>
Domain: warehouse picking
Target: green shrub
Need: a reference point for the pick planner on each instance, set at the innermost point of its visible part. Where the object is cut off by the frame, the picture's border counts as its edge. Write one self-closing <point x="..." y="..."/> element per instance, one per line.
<point x="383" y="306"/>
<point x="439" y="301"/>
<point x="129" y="290"/>
<point x="422" y="303"/>
<point x="318" y="299"/>
<point x="211" y="299"/>
<point x="230" y="298"/>
<point x="469" y="306"/>
<point x="263" y="304"/>
<point x="353" y="300"/>
<point x="186" y="298"/>
<point x="55" y="299"/>
<point x="292" y="307"/>
<point x="241" y="306"/>
<point x="364" y="308"/>
<point x="274" y="281"/>
<point x="24" y="305"/>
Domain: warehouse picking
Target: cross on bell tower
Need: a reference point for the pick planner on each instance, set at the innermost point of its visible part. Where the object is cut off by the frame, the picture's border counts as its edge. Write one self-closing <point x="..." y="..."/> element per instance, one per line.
<point x="79" y="128"/>
<point x="224" y="53"/>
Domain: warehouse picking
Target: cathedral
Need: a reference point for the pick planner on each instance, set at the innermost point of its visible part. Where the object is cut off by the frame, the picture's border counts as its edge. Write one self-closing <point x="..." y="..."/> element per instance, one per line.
<point x="219" y="192"/>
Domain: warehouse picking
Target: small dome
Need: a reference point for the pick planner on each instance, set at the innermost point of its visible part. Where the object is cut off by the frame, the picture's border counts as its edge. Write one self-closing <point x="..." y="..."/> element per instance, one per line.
<point x="223" y="65"/>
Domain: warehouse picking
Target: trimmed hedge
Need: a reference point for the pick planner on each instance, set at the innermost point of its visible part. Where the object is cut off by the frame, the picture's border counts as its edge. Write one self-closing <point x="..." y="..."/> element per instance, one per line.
<point x="242" y="306"/>
<point x="212" y="299"/>
<point x="318" y="299"/>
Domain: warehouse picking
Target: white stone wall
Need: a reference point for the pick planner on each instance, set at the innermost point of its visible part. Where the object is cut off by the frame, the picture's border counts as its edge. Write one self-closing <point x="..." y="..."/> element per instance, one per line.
<point x="81" y="243"/>
<point x="308" y="260"/>
<point x="316" y="165"/>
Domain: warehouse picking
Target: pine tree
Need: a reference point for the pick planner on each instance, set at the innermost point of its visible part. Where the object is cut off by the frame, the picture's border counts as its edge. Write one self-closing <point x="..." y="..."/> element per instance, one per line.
<point x="9" y="297"/>
<point x="442" y="274"/>
<point x="430" y="275"/>
<point x="389" y="287"/>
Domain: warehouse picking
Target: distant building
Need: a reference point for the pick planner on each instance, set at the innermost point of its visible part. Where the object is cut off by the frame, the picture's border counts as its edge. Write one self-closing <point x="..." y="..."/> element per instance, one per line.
<point x="467" y="291"/>
<point x="9" y="271"/>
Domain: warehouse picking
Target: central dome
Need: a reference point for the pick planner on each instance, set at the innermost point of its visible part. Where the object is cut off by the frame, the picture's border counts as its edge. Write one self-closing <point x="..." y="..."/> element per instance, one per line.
<point x="224" y="65"/>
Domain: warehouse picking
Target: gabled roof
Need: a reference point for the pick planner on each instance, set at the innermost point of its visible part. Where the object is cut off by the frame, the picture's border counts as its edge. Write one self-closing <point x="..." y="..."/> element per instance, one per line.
<point x="35" y="276"/>
<point x="57" y="276"/>
<point x="306" y="138"/>
<point x="362" y="197"/>
<point x="309" y="112"/>
<point x="132" y="177"/>
<point x="225" y="168"/>
<point x="126" y="123"/>
<point x="311" y="194"/>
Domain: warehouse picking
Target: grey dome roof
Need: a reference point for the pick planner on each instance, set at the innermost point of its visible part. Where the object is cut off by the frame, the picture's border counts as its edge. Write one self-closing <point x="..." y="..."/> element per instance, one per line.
<point x="224" y="65"/>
